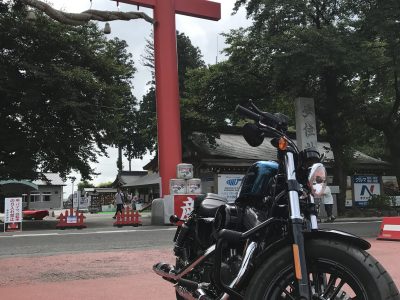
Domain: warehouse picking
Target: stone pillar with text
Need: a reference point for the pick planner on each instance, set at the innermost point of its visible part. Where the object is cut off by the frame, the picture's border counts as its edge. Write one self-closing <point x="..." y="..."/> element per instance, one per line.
<point x="306" y="129"/>
<point x="306" y="135"/>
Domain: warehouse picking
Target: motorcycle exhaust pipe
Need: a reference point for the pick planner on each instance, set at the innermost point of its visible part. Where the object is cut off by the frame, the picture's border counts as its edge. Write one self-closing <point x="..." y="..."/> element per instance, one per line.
<point x="186" y="287"/>
<point x="251" y="248"/>
<point x="168" y="272"/>
<point x="199" y="294"/>
<point x="184" y="293"/>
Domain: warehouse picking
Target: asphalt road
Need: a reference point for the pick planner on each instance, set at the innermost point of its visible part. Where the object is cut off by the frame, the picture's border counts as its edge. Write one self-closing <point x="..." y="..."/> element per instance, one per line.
<point x="48" y="242"/>
<point x="74" y="241"/>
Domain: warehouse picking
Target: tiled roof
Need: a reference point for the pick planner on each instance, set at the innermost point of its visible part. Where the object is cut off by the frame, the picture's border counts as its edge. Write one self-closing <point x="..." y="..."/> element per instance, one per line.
<point x="153" y="178"/>
<point x="235" y="146"/>
<point x="53" y="179"/>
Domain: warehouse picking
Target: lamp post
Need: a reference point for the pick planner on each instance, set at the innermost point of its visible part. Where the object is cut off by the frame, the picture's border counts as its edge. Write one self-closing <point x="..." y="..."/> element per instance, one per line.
<point x="73" y="178"/>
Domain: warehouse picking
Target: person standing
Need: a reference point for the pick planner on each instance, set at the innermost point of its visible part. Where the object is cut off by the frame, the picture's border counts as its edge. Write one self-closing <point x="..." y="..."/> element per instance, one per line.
<point x="327" y="200"/>
<point x="119" y="201"/>
<point x="134" y="201"/>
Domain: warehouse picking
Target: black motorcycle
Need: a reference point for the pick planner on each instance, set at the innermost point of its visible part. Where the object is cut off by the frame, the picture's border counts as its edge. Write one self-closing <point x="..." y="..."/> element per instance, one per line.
<point x="267" y="245"/>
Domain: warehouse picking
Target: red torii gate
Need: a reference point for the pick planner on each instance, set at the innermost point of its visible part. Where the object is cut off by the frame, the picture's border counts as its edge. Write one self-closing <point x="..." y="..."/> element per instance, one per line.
<point x="166" y="67"/>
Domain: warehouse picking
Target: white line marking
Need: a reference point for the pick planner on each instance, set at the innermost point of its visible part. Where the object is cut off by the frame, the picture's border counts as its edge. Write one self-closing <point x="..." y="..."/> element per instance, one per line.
<point x="361" y="222"/>
<point x="39" y="234"/>
<point x="83" y="233"/>
<point x="389" y="227"/>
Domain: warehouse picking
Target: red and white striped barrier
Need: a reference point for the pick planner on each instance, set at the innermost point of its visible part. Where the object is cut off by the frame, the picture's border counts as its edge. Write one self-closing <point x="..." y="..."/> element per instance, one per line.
<point x="69" y="220"/>
<point x="390" y="229"/>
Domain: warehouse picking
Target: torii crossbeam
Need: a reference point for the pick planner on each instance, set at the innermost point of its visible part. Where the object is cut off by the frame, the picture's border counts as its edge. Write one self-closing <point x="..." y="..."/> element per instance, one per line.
<point x="166" y="68"/>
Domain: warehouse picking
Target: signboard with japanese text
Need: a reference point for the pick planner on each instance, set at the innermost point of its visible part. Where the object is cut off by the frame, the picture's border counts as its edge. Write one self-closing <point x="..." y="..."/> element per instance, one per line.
<point x="83" y="202"/>
<point x="364" y="187"/>
<point x="183" y="205"/>
<point x="76" y="198"/>
<point x="229" y="185"/>
<point x="306" y="129"/>
<point x="396" y="200"/>
<point x="72" y="220"/>
<point x="12" y="211"/>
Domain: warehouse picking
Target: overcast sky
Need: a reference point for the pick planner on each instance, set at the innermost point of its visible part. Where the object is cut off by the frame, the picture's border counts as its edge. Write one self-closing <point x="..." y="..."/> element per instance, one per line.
<point x="204" y="34"/>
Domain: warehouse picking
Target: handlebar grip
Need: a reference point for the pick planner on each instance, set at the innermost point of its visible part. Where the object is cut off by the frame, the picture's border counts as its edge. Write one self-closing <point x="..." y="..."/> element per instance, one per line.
<point x="271" y="119"/>
<point x="247" y="113"/>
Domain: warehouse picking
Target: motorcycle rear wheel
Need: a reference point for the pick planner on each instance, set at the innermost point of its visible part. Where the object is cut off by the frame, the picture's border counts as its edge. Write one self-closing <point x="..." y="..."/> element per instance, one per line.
<point x="336" y="271"/>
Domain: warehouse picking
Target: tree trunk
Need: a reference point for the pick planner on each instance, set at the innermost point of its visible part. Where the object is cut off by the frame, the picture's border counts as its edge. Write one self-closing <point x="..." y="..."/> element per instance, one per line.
<point x="336" y="133"/>
<point x="119" y="161"/>
<point x="393" y="144"/>
<point x="340" y="172"/>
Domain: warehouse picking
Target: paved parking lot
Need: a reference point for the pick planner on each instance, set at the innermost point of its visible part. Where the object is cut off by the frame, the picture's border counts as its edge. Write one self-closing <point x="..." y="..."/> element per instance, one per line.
<point x="120" y="275"/>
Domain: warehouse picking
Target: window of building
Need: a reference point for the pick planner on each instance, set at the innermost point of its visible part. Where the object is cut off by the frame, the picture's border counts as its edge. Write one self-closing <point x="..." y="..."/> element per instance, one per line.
<point x="46" y="196"/>
<point x="35" y="198"/>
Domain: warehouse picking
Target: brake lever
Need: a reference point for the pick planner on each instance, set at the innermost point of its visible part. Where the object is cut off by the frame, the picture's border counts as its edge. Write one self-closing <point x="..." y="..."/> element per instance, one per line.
<point x="255" y="107"/>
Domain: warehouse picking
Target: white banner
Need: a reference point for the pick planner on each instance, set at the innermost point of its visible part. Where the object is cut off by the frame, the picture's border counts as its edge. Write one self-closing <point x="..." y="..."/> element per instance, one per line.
<point x="228" y="185"/>
<point x="13" y="210"/>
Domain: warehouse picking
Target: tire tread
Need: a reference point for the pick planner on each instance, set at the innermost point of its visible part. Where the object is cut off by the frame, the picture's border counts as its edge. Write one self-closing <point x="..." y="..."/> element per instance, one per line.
<point x="383" y="283"/>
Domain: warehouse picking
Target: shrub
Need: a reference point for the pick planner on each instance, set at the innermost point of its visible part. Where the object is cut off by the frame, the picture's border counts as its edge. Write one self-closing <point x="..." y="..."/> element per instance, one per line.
<point x="380" y="202"/>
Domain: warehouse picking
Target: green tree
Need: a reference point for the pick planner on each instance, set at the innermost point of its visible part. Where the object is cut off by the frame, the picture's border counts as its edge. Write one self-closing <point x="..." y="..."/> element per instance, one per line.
<point x="107" y="184"/>
<point x="189" y="57"/>
<point x="311" y="49"/>
<point x="380" y="83"/>
<point x="84" y="184"/>
<point x="62" y="91"/>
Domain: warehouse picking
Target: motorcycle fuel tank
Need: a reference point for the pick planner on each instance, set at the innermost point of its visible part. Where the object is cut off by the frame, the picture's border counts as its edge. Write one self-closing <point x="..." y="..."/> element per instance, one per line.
<point x="255" y="182"/>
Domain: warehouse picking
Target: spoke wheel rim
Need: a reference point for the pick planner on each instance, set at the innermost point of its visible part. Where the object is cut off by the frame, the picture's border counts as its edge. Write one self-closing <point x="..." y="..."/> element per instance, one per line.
<point x="283" y="287"/>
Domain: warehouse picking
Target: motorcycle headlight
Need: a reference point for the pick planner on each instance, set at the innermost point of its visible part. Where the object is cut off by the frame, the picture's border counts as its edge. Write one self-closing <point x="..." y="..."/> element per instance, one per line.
<point x="317" y="179"/>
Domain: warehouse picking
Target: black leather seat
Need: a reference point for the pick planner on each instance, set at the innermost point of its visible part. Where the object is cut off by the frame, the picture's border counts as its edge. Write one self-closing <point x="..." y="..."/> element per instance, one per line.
<point x="207" y="205"/>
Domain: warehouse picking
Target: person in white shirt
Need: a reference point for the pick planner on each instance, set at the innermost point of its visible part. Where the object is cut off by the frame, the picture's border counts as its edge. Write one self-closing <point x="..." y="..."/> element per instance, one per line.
<point x="327" y="200"/>
<point x="119" y="201"/>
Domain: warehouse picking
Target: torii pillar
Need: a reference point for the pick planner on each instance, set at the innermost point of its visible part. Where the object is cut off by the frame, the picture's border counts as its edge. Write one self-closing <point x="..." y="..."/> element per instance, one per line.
<point x="167" y="87"/>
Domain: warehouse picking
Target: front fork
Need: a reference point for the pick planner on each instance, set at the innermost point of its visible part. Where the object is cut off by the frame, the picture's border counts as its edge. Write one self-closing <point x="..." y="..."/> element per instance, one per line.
<point x="297" y="229"/>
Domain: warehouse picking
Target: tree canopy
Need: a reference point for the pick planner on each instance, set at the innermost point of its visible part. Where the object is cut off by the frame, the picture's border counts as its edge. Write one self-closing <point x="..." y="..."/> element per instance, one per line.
<point x="189" y="58"/>
<point x="319" y="49"/>
<point x="63" y="90"/>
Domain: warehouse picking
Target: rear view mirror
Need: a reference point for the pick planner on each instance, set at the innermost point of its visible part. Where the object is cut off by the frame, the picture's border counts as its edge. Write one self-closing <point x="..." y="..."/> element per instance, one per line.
<point x="253" y="135"/>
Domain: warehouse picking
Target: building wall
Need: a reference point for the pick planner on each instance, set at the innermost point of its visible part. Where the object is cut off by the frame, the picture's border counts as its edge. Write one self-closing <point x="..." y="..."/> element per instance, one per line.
<point x="47" y="197"/>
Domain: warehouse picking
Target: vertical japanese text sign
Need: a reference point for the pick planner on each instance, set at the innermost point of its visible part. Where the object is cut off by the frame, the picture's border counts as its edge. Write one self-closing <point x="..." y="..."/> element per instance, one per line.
<point x="12" y="210"/>
<point x="306" y="130"/>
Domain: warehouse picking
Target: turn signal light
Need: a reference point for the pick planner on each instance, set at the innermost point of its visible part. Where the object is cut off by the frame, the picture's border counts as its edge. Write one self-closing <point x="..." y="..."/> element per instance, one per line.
<point x="282" y="145"/>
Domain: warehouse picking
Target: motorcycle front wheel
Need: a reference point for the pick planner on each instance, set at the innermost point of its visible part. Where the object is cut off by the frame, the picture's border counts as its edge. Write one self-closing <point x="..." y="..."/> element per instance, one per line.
<point x="337" y="271"/>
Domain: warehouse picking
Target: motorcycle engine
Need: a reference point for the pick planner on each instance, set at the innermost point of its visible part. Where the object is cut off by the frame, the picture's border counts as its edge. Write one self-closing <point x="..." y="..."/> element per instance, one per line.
<point x="228" y="216"/>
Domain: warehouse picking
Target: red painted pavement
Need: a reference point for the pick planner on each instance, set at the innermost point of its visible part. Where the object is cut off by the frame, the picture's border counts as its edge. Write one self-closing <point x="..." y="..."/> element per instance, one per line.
<point x="118" y="275"/>
<point x="114" y="275"/>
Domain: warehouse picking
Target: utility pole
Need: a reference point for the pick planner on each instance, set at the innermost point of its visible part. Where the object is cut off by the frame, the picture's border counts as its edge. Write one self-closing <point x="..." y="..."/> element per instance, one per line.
<point x="73" y="178"/>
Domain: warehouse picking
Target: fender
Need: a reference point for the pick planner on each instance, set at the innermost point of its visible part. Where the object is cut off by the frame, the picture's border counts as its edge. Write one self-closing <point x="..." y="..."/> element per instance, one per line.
<point x="336" y="235"/>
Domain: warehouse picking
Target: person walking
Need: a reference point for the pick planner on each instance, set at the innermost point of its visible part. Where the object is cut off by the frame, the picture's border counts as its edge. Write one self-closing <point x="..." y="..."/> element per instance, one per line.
<point x="119" y="201"/>
<point x="327" y="200"/>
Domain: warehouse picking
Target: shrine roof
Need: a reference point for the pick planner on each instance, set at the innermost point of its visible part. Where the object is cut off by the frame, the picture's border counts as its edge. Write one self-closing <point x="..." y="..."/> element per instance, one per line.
<point x="235" y="146"/>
